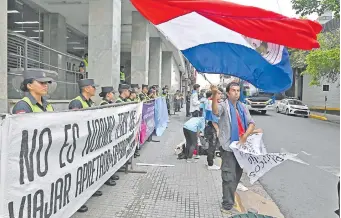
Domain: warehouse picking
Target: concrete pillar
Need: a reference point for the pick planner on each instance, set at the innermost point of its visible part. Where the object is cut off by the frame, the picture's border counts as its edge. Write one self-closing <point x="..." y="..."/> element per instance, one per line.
<point x="166" y="74"/>
<point x="155" y="61"/>
<point x="139" y="49"/>
<point x="104" y="42"/>
<point x="3" y="57"/>
<point x="55" y="34"/>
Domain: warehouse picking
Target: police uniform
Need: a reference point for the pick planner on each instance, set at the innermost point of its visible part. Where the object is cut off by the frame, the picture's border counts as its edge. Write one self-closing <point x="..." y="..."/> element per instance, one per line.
<point x="29" y="104"/>
<point x="130" y="99"/>
<point x="133" y="87"/>
<point x="105" y="91"/>
<point x="143" y="96"/>
<point x="122" y="75"/>
<point x="122" y="87"/>
<point x="80" y="102"/>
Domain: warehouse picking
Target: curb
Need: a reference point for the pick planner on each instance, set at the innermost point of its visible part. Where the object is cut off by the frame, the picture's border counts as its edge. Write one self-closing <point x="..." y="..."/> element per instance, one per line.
<point x="318" y="117"/>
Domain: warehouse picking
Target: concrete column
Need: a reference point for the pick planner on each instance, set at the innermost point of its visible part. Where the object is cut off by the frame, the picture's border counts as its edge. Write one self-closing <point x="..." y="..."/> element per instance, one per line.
<point x="3" y="57"/>
<point x="166" y="74"/>
<point x="139" y="49"/>
<point x="155" y="61"/>
<point x="105" y="42"/>
<point x="55" y="34"/>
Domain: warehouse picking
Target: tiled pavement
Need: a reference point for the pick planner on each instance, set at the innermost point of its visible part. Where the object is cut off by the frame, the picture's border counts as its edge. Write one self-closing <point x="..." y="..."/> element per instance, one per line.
<point x="185" y="190"/>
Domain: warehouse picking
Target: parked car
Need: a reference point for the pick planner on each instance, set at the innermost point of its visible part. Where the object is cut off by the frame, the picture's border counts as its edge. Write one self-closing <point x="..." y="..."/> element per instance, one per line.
<point x="292" y="107"/>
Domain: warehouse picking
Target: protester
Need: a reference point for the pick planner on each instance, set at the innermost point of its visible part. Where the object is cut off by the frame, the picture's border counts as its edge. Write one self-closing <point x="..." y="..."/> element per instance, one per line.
<point x="211" y="130"/>
<point x="194" y="102"/>
<point x="192" y="129"/>
<point x="235" y="124"/>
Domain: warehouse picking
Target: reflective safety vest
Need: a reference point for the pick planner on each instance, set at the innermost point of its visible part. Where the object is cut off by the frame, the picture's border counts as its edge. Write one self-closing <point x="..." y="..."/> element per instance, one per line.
<point x="84" y="103"/>
<point x="122" y="76"/>
<point x="120" y="100"/>
<point x="36" y="108"/>
<point x="137" y="99"/>
<point x="146" y="97"/>
<point x="103" y="102"/>
<point x="85" y="62"/>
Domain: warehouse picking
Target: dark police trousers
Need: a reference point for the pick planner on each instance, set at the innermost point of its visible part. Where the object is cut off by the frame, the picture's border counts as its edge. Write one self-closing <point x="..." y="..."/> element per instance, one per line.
<point x="211" y="136"/>
<point x="230" y="174"/>
<point x="191" y="142"/>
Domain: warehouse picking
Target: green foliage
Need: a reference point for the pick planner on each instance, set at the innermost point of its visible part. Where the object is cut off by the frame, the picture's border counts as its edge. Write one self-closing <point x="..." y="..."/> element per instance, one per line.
<point x="307" y="7"/>
<point x="297" y="58"/>
<point x="324" y="63"/>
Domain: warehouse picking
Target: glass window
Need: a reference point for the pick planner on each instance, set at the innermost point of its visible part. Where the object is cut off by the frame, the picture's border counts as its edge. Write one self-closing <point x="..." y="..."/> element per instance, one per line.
<point x="25" y="19"/>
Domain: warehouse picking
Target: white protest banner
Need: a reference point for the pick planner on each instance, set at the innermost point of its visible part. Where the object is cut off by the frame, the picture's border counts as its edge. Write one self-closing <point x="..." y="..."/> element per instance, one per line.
<point x="254" y="159"/>
<point x="52" y="163"/>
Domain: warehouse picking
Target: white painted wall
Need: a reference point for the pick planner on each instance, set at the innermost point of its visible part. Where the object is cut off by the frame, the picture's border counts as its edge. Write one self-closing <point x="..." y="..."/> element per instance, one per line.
<point x="313" y="96"/>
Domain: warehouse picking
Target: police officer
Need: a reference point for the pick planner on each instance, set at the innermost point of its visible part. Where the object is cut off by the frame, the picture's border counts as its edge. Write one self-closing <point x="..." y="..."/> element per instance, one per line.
<point x="132" y="96"/>
<point x="35" y="87"/>
<point x="124" y="90"/>
<point x="122" y="75"/>
<point x="88" y="90"/>
<point x="107" y="95"/>
<point x="136" y="87"/>
<point x="83" y="66"/>
<point x="144" y="94"/>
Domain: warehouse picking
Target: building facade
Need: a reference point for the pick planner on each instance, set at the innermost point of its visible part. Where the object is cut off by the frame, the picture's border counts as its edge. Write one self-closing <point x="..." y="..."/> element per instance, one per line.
<point x="55" y="35"/>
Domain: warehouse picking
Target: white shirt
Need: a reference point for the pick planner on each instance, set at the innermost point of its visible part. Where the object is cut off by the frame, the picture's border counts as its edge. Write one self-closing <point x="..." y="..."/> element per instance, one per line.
<point x="194" y="103"/>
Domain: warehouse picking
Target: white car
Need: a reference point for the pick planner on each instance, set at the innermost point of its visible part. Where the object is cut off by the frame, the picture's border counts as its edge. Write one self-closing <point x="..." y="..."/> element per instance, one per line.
<point x="292" y="107"/>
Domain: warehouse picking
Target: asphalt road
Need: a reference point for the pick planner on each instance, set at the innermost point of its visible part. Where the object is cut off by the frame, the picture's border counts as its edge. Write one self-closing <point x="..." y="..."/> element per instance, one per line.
<point x="299" y="190"/>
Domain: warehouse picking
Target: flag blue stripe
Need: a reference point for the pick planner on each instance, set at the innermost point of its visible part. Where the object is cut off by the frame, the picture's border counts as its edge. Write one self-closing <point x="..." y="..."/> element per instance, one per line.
<point x="243" y="62"/>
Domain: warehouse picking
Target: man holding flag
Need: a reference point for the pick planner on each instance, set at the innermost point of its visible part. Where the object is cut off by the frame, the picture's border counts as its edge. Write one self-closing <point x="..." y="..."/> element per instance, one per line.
<point x="235" y="124"/>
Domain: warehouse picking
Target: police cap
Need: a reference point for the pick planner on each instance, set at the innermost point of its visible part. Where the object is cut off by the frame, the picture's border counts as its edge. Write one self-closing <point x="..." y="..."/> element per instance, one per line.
<point x="38" y="75"/>
<point x="135" y="86"/>
<point x="123" y="87"/>
<point x="105" y="90"/>
<point x="86" y="82"/>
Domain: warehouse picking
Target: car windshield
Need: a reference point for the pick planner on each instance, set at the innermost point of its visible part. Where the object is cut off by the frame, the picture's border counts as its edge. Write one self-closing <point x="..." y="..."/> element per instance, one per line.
<point x="262" y="94"/>
<point x="295" y="102"/>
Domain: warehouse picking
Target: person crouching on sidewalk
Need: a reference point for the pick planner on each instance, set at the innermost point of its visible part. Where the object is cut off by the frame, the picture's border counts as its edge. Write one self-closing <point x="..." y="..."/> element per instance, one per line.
<point x="192" y="129"/>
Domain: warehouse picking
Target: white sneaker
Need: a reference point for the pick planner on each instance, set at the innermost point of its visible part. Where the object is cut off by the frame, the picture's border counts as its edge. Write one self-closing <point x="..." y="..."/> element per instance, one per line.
<point x="213" y="167"/>
<point x="241" y="187"/>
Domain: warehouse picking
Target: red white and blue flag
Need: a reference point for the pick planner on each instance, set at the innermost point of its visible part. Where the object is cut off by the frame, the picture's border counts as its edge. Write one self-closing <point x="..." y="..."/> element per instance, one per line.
<point x="242" y="38"/>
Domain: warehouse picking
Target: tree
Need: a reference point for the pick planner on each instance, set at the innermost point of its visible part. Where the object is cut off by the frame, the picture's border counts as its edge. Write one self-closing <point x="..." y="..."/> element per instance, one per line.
<point x="324" y="63"/>
<point x="307" y="7"/>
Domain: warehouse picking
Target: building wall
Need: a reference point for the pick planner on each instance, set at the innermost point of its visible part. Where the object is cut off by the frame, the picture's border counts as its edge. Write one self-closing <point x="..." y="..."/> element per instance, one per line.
<point x="175" y="77"/>
<point x="314" y="96"/>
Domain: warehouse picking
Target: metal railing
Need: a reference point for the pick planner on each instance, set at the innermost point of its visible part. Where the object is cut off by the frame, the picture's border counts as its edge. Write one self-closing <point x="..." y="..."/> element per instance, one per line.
<point x="24" y="53"/>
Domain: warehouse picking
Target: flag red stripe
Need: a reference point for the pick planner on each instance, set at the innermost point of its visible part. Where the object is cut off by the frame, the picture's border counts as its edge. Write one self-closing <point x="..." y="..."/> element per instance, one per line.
<point x="247" y="20"/>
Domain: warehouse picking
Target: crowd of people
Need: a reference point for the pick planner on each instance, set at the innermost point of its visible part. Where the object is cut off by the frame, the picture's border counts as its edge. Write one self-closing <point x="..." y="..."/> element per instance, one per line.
<point x="35" y="87"/>
<point x="218" y="121"/>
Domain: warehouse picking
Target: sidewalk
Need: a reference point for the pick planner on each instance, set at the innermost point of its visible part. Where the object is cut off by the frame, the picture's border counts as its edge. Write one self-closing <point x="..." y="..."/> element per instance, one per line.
<point x="326" y="117"/>
<point x="185" y="190"/>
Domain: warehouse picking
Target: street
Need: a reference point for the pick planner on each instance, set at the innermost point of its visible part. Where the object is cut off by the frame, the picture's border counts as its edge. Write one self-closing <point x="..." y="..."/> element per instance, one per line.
<point x="300" y="190"/>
